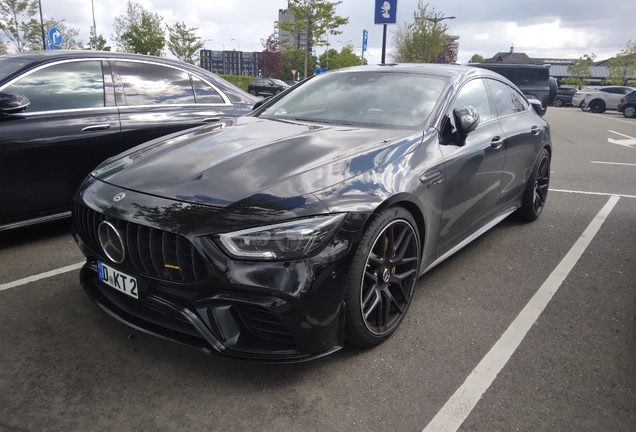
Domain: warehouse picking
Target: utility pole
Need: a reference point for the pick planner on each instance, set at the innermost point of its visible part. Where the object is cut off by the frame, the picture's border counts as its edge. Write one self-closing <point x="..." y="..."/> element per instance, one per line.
<point x="42" y="26"/>
<point x="94" y="28"/>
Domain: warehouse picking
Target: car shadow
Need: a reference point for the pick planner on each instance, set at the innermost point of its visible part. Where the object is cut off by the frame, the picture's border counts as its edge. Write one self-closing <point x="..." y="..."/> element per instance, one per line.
<point x="35" y="233"/>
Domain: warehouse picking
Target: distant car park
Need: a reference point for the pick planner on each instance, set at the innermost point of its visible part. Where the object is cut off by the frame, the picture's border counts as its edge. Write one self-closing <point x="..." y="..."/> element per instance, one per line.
<point x="64" y="112"/>
<point x="606" y="98"/>
<point x="564" y="96"/>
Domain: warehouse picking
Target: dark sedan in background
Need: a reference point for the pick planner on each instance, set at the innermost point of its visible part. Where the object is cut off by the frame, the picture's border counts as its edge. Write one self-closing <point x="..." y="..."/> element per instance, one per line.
<point x="83" y="107"/>
<point x="308" y="222"/>
<point x="267" y="87"/>
<point x="564" y="96"/>
<point x="627" y="105"/>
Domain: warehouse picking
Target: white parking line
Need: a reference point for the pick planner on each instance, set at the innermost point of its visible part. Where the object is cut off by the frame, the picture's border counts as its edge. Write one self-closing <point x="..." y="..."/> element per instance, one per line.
<point x="612" y="163"/>
<point x="592" y="193"/>
<point x="37" y="277"/>
<point x="462" y="402"/>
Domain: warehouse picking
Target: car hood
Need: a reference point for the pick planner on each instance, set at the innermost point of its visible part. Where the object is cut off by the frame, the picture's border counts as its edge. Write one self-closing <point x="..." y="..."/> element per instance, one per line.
<point x="254" y="160"/>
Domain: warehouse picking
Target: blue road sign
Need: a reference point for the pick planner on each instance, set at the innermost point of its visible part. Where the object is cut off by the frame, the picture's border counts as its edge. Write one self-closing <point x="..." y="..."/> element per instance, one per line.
<point x="385" y="11"/>
<point x="321" y="70"/>
<point x="49" y="45"/>
<point x="365" y="39"/>
<point x="55" y="36"/>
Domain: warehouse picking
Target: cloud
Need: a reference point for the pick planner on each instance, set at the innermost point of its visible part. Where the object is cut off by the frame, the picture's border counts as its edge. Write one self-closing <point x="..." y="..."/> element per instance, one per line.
<point x="481" y="36"/>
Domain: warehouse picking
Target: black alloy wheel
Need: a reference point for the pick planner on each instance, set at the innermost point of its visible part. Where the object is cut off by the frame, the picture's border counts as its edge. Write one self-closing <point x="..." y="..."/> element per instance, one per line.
<point x="629" y="111"/>
<point x="597" y="107"/>
<point x="558" y="103"/>
<point x="536" y="191"/>
<point x="253" y="92"/>
<point x="583" y="106"/>
<point x="382" y="278"/>
<point x="278" y="91"/>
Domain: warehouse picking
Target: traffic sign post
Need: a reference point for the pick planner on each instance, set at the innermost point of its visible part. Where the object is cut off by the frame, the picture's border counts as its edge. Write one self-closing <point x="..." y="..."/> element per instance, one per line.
<point x="365" y="39"/>
<point x="55" y="37"/>
<point x="385" y="13"/>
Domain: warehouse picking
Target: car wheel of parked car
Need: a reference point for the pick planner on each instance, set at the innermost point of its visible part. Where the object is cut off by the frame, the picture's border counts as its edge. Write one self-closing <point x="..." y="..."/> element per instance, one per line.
<point x="558" y="103"/>
<point x="583" y="106"/>
<point x="597" y="107"/>
<point x="277" y="92"/>
<point x="382" y="277"/>
<point x="253" y="92"/>
<point x="629" y="112"/>
<point x="536" y="191"/>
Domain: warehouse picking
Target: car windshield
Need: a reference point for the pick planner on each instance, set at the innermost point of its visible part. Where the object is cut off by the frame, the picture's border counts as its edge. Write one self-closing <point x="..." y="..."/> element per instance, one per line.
<point x="9" y="65"/>
<point x="383" y="99"/>
<point x="279" y="82"/>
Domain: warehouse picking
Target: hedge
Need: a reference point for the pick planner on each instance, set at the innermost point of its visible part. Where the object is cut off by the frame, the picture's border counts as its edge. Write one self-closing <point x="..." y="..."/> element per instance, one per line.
<point x="239" y="81"/>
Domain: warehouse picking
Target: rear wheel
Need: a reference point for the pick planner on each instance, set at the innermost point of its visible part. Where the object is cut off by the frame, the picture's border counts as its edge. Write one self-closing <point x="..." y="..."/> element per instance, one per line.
<point x="597" y="107"/>
<point x="558" y="103"/>
<point x="382" y="278"/>
<point x="583" y="106"/>
<point x="629" y="112"/>
<point x="536" y="191"/>
<point x="253" y="92"/>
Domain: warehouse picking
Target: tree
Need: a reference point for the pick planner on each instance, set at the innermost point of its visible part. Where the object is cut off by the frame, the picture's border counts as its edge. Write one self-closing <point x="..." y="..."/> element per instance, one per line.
<point x="336" y="60"/>
<point x="33" y="35"/>
<point x="139" y="31"/>
<point x="476" y="58"/>
<point x="14" y="19"/>
<point x="271" y="62"/>
<point x="423" y="41"/>
<point x="101" y="42"/>
<point x="447" y="56"/>
<point x="580" y="71"/>
<point x="3" y="48"/>
<point x="315" y="20"/>
<point x="183" y="43"/>
<point x="622" y="68"/>
<point x="294" y="60"/>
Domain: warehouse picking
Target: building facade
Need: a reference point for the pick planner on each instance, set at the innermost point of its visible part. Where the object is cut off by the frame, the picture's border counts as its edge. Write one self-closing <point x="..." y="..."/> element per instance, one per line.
<point x="286" y="39"/>
<point x="230" y="62"/>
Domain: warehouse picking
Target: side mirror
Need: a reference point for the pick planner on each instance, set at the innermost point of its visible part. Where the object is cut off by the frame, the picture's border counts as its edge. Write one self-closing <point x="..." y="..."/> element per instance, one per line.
<point x="466" y="119"/>
<point x="260" y="102"/>
<point x="12" y="103"/>
<point x="537" y="106"/>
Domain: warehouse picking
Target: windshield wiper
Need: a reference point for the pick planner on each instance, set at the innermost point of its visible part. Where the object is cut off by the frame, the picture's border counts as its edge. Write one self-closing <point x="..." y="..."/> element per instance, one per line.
<point x="313" y="120"/>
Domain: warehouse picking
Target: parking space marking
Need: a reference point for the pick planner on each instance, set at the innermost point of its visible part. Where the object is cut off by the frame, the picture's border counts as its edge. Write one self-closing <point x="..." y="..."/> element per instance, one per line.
<point x="37" y="277"/>
<point x="593" y="193"/>
<point x="464" y="400"/>
<point x="613" y="163"/>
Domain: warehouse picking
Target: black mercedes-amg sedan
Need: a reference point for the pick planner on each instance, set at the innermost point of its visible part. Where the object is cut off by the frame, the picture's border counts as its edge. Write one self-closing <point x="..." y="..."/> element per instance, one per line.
<point x="308" y="223"/>
<point x="64" y="112"/>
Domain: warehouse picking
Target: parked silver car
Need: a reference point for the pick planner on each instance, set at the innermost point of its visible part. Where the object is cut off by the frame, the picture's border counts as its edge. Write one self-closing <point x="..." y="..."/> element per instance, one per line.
<point x="606" y="98"/>
<point x="579" y="96"/>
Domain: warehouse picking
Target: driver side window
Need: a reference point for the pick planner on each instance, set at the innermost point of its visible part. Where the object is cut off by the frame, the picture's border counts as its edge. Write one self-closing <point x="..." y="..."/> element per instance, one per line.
<point x="474" y="93"/>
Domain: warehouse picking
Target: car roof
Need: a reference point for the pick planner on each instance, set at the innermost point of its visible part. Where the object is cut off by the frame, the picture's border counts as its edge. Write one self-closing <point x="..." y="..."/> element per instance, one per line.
<point x="444" y="70"/>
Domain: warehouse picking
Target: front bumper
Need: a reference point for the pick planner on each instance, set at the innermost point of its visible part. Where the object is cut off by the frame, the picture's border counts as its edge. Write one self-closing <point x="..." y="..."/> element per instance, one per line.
<point x="266" y="311"/>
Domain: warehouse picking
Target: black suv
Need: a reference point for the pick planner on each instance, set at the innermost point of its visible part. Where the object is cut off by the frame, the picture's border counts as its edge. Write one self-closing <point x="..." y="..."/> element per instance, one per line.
<point x="627" y="105"/>
<point x="266" y="86"/>
<point x="564" y="96"/>
<point x="534" y="81"/>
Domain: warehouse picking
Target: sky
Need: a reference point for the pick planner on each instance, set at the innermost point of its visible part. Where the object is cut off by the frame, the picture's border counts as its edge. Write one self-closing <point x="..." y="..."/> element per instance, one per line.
<point x="540" y="28"/>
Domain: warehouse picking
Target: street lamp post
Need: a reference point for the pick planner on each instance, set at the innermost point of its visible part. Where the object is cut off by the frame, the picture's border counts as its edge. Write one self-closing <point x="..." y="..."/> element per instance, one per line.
<point x="94" y="28"/>
<point x="344" y="43"/>
<point x="239" y="53"/>
<point x="438" y="19"/>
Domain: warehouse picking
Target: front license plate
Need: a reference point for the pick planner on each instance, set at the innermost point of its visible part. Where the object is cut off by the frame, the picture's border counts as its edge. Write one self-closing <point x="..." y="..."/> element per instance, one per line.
<point x="118" y="280"/>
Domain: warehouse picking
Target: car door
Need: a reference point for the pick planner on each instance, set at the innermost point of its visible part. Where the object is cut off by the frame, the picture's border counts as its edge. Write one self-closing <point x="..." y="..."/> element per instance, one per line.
<point x="156" y="100"/>
<point x="473" y="170"/>
<point x="523" y="132"/>
<point x="70" y="127"/>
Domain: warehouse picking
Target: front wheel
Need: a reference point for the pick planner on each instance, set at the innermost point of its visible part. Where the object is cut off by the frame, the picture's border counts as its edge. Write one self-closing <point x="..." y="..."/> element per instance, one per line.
<point x="583" y="106"/>
<point x="597" y="107"/>
<point x="558" y="103"/>
<point x="629" y="112"/>
<point x="253" y="92"/>
<point x="277" y="92"/>
<point x="382" y="278"/>
<point x="536" y="191"/>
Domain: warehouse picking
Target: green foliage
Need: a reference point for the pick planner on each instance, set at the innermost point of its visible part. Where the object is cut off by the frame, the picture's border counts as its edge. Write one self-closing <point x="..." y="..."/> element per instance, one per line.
<point x="294" y="60"/>
<point x="101" y="42"/>
<point x="183" y="43"/>
<point x="3" y="48"/>
<point x="476" y="58"/>
<point x="14" y="19"/>
<point x="316" y="19"/>
<point x="33" y="35"/>
<point x="622" y="68"/>
<point x="422" y="41"/>
<point x="239" y="81"/>
<point x="336" y="60"/>
<point x="580" y="71"/>
<point x="139" y="31"/>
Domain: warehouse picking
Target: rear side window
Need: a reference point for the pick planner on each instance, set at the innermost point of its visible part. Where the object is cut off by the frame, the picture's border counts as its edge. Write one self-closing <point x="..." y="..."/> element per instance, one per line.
<point x="150" y="84"/>
<point x="503" y="98"/>
<point x="205" y="93"/>
<point x="518" y="101"/>
<point x="72" y="85"/>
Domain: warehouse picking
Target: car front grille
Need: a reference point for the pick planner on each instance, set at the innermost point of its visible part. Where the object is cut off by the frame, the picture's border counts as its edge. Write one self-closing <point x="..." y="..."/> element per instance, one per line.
<point x="149" y="251"/>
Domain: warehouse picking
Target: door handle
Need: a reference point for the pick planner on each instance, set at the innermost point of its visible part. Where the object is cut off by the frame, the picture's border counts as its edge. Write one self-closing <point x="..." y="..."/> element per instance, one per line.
<point x="535" y="130"/>
<point x="496" y="142"/>
<point x="211" y="119"/>
<point x="96" y="128"/>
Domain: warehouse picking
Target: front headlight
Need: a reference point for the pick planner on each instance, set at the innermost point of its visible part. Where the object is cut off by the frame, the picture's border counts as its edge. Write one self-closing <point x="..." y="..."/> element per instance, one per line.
<point x="285" y="241"/>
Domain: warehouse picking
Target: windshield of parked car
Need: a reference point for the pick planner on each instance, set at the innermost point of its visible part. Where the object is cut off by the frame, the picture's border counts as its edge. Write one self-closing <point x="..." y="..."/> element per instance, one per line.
<point x="9" y="65"/>
<point x="383" y="99"/>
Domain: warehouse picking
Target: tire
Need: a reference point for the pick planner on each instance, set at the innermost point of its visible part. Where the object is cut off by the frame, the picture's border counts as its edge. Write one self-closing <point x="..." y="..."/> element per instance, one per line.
<point x="629" y="111"/>
<point x="253" y="92"/>
<point x="536" y="191"/>
<point x="558" y="103"/>
<point x="380" y="284"/>
<point x="597" y="107"/>
<point x="583" y="106"/>
<point x="277" y="92"/>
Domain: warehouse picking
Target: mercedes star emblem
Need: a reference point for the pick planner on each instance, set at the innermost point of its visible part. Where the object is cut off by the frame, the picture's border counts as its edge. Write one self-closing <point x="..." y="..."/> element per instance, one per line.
<point x="111" y="242"/>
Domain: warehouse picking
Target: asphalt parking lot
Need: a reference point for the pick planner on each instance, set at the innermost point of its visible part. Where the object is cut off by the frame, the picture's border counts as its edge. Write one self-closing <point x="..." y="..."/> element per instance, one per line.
<point x="532" y="327"/>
